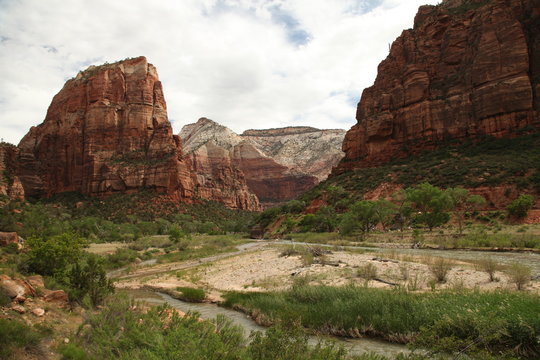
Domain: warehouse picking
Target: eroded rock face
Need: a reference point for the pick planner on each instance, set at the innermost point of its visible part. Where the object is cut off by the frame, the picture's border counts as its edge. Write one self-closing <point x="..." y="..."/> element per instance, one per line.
<point x="209" y="150"/>
<point x="277" y="165"/>
<point x="467" y="69"/>
<point x="106" y="131"/>
<point x="304" y="149"/>
<point x="10" y="184"/>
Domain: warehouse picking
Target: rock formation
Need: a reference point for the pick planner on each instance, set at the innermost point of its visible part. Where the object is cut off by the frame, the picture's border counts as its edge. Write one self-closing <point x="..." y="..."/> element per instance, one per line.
<point x="106" y="131"/>
<point x="10" y="184"/>
<point x="468" y="69"/>
<point x="304" y="149"/>
<point x="208" y="148"/>
<point x="277" y="165"/>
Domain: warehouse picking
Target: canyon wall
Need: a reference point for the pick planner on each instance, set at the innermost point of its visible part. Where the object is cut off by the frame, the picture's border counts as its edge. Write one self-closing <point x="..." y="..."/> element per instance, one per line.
<point x="10" y="184"/>
<point x="468" y="69"/>
<point x="105" y="132"/>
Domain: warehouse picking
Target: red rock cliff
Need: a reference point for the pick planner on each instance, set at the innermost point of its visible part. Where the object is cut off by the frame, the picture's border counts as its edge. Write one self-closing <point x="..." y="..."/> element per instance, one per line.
<point x="106" y="131"/>
<point x="208" y="149"/>
<point x="10" y="184"/>
<point x="468" y="68"/>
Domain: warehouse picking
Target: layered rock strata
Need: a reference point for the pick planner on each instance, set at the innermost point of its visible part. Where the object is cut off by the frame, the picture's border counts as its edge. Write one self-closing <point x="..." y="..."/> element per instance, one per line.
<point x="209" y="149"/>
<point x="277" y="164"/>
<point x="468" y="69"/>
<point x="303" y="149"/>
<point x="105" y="132"/>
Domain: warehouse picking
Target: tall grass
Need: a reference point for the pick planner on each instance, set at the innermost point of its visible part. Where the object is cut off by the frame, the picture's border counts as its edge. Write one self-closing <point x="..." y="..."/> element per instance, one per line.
<point x="121" y="331"/>
<point x="399" y="315"/>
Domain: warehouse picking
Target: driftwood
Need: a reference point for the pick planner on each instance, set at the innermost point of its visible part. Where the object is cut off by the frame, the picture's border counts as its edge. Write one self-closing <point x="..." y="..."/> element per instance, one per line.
<point x="384" y="260"/>
<point x="385" y="282"/>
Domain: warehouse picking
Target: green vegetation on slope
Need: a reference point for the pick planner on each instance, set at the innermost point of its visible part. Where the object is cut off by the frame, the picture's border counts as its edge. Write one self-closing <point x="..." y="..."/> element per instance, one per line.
<point x="486" y="163"/>
<point x="495" y="322"/>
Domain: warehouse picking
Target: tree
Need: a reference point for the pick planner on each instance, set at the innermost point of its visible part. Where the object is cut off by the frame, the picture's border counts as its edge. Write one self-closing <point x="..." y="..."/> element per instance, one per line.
<point x="365" y="213"/>
<point x="52" y="255"/>
<point x="519" y="208"/>
<point x="463" y="202"/>
<point x="404" y="210"/>
<point x="176" y="233"/>
<point x="431" y="204"/>
<point x="385" y="212"/>
<point x="89" y="279"/>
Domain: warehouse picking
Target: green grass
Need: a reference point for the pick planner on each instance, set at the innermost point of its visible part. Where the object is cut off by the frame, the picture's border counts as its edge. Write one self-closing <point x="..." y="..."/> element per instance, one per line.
<point x="119" y="332"/>
<point x="403" y="316"/>
<point x="191" y="294"/>
<point x="16" y="335"/>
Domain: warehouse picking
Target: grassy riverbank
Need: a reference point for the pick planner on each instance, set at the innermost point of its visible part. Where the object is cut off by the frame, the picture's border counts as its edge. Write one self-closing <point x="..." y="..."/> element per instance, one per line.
<point x="493" y="322"/>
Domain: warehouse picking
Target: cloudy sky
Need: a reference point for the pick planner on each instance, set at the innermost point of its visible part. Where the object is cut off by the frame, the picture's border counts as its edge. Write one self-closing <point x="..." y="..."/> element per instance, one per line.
<point x="243" y="63"/>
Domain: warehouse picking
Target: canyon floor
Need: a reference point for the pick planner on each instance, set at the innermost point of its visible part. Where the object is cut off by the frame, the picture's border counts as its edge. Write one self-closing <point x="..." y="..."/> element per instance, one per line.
<point x="265" y="266"/>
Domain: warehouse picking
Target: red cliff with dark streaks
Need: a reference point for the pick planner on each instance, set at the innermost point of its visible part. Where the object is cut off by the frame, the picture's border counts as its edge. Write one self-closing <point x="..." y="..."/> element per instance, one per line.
<point x="467" y="69"/>
<point x="105" y="132"/>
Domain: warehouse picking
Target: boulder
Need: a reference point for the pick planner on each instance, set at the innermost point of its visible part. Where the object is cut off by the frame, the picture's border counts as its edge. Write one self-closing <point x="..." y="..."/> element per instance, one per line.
<point x="55" y="296"/>
<point x="39" y="312"/>
<point x="7" y="238"/>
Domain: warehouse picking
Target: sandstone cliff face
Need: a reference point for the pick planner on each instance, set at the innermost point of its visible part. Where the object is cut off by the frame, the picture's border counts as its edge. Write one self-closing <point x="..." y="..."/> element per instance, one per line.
<point x="467" y="69"/>
<point x="106" y="131"/>
<point x="304" y="149"/>
<point x="208" y="148"/>
<point x="10" y="184"/>
<point x="277" y="165"/>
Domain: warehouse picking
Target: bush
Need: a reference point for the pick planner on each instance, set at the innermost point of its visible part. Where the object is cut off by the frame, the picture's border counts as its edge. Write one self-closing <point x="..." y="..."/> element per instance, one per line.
<point x="192" y="294"/>
<point x="52" y="255"/>
<point x="439" y="268"/>
<point x="520" y="275"/>
<point x="4" y="298"/>
<point x="519" y="208"/>
<point x="73" y="352"/>
<point x="368" y="272"/>
<point x="89" y="280"/>
<point x="490" y="266"/>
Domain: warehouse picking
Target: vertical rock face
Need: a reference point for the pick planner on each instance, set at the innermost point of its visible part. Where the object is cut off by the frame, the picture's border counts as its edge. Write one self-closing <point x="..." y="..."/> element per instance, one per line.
<point x="106" y="131"/>
<point x="467" y="69"/>
<point x="209" y="150"/>
<point x="10" y="184"/>
<point x="277" y="165"/>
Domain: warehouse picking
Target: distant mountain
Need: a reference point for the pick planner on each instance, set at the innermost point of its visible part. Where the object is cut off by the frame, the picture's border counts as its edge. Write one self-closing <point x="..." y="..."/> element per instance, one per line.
<point x="277" y="164"/>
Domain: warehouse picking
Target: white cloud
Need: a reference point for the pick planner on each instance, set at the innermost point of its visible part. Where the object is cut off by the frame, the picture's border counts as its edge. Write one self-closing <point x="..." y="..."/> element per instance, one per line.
<point x="243" y="63"/>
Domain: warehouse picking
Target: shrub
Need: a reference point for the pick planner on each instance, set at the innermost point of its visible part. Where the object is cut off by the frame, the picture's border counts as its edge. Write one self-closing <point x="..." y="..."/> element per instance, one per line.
<point x="519" y="208"/>
<point x="520" y="275"/>
<point x="89" y="279"/>
<point x="4" y="298"/>
<point x="368" y="272"/>
<point x="73" y="352"/>
<point x="52" y="255"/>
<point x="490" y="266"/>
<point x="439" y="268"/>
<point x="192" y="294"/>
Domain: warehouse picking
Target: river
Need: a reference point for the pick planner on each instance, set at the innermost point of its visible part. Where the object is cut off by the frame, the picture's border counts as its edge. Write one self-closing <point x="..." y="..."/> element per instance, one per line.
<point x="210" y="311"/>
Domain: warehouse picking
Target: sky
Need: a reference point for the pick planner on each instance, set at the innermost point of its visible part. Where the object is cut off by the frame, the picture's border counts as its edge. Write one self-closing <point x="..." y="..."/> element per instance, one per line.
<point x="247" y="64"/>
